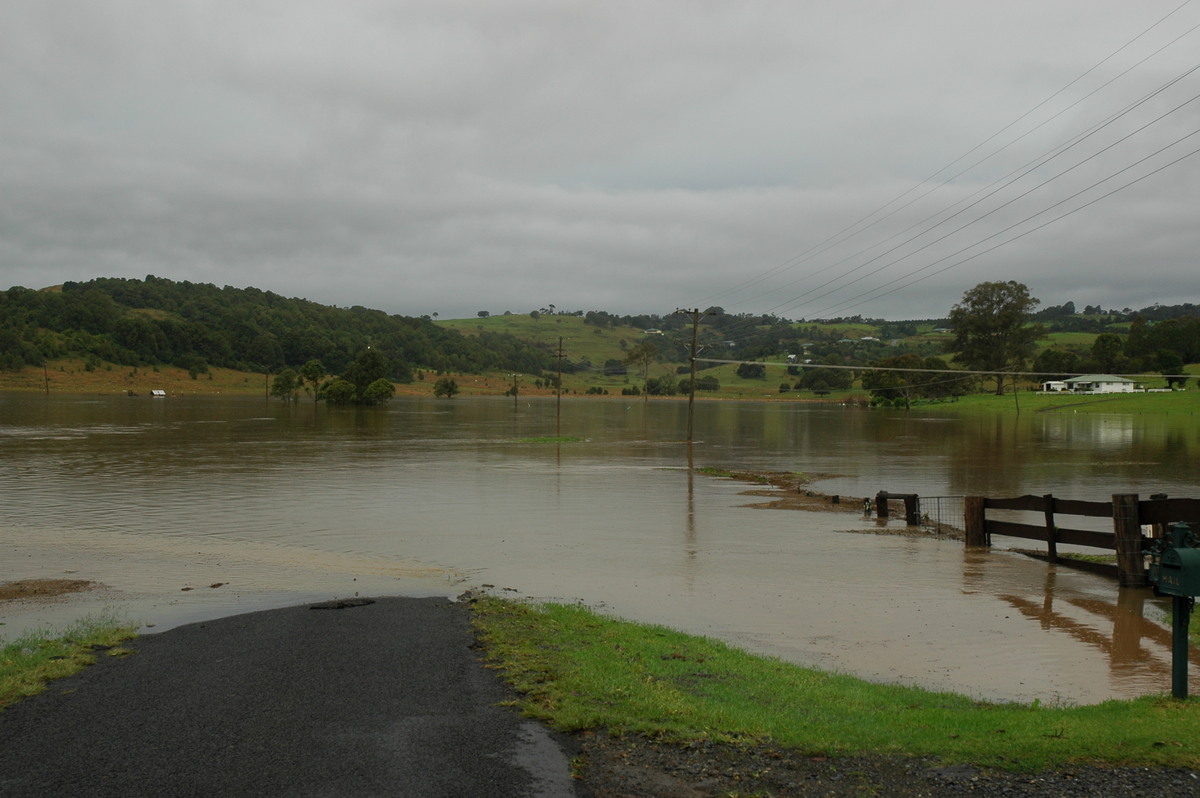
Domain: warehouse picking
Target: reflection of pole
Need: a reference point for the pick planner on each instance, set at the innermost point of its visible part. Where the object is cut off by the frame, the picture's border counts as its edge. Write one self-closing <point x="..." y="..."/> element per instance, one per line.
<point x="690" y="547"/>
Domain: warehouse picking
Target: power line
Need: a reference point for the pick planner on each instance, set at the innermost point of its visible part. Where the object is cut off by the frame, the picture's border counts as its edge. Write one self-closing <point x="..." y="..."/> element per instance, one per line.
<point x="849" y="232"/>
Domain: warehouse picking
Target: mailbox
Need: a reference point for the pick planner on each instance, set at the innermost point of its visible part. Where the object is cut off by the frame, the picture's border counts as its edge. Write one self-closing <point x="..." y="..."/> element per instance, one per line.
<point x="1178" y="572"/>
<point x="1175" y="565"/>
<point x="1175" y="572"/>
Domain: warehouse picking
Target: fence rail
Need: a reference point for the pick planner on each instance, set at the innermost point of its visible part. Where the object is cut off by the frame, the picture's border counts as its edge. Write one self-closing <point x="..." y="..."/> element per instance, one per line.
<point x="1132" y="519"/>
<point x="1129" y="515"/>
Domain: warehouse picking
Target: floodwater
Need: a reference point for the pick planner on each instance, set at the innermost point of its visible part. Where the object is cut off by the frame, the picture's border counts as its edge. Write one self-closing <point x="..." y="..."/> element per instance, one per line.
<point x="193" y="508"/>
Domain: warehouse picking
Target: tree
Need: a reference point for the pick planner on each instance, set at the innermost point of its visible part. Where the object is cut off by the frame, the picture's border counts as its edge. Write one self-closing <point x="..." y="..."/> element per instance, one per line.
<point x="1106" y="350"/>
<point x="642" y="355"/>
<point x="991" y="329"/>
<point x="662" y="386"/>
<point x="285" y="385"/>
<point x="368" y="367"/>
<point x="1056" y="364"/>
<point x="445" y="387"/>
<point x="705" y="383"/>
<point x="311" y="374"/>
<point x="893" y="379"/>
<point x="379" y="392"/>
<point x="825" y="380"/>
<point x="339" y="392"/>
<point x="1170" y="365"/>
<point x="751" y="371"/>
<point x="614" y="368"/>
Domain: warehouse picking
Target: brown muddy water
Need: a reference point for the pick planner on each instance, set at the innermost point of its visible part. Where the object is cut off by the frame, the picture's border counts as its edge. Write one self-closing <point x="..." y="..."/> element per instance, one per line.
<point x="193" y="508"/>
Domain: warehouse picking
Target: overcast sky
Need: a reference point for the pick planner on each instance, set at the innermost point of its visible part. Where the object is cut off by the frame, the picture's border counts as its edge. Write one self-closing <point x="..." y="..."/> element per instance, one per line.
<point x="808" y="159"/>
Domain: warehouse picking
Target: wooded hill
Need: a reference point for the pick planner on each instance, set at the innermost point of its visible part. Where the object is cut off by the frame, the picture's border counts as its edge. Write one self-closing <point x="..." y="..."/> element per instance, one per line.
<point x="197" y="325"/>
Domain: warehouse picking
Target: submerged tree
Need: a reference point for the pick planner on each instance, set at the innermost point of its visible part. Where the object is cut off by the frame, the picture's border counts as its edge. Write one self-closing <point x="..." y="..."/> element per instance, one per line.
<point x="311" y="374"/>
<point x="285" y="385"/>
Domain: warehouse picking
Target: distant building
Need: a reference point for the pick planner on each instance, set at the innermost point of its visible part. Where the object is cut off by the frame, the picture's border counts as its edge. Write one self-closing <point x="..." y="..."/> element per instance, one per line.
<point x="1093" y="383"/>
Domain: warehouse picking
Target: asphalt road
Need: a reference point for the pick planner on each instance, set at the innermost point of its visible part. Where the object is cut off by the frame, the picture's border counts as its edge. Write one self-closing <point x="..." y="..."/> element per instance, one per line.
<point x="384" y="699"/>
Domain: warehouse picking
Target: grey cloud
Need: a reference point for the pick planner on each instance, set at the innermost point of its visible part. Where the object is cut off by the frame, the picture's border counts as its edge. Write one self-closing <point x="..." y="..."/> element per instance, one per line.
<point x="457" y="156"/>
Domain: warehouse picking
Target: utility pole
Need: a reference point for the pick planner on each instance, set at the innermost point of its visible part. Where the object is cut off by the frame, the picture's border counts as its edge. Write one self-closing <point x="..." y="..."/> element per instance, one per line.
<point x="695" y="314"/>
<point x="558" y="391"/>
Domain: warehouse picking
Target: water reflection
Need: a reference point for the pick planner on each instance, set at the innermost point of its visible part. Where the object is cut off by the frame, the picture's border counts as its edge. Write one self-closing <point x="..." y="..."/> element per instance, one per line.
<point x="291" y="503"/>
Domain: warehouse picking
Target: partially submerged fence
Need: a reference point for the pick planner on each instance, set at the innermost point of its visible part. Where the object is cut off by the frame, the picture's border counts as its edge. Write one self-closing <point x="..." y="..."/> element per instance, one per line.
<point x="1136" y="523"/>
<point x="941" y="513"/>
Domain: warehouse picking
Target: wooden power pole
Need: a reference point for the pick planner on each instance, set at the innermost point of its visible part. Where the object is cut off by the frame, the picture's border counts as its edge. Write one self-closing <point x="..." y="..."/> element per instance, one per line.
<point x="558" y="391"/>
<point x="695" y="314"/>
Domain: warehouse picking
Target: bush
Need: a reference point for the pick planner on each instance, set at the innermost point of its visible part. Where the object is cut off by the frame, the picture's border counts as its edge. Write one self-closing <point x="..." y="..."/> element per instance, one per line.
<point x="379" y="392"/>
<point x="339" y="392"/>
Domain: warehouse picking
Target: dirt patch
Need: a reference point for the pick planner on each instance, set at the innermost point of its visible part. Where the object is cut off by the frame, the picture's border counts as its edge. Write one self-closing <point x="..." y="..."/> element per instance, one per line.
<point x="790" y="490"/>
<point x="43" y="588"/>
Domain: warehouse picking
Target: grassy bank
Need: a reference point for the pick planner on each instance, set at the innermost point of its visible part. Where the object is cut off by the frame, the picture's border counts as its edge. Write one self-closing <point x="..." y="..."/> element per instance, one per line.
<point x="577" y="670"/>
<point x="29" y="662"/>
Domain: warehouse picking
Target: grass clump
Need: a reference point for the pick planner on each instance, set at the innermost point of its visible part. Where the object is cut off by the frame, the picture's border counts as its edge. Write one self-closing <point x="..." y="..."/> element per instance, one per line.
<point x="29" y="662"/>
<point x="578" y="670"/>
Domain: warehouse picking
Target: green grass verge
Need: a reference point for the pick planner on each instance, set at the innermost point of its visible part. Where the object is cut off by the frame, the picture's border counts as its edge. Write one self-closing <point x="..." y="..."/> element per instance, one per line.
<point x="577" y="670"/>
<point x="28" y="663"/>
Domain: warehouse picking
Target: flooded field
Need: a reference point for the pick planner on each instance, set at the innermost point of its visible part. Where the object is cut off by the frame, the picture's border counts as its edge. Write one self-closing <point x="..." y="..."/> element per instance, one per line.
<point x="187" y="509"/>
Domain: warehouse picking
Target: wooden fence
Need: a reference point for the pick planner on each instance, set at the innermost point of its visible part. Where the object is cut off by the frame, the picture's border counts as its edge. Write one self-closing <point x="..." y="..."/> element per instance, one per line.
<point x="1129" y="515"/>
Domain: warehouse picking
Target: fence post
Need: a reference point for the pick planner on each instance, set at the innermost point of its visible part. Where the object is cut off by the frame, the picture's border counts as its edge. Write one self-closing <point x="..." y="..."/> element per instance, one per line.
<point x="1127" y="530"/>
<point x="1051" y="529"/>
<point x="975" y="522"/>
<point x="912" y="510"/>
<point x="1158" y="530"/>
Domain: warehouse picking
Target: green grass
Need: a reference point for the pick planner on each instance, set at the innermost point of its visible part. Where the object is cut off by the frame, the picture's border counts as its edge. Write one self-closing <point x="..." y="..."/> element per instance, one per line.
<point x="1077" y="341"/>
<point x="577" y="670"/>
<point x="28" y="663"/>
<point x="1173" y="403"/>
<point x="580" y="341"/>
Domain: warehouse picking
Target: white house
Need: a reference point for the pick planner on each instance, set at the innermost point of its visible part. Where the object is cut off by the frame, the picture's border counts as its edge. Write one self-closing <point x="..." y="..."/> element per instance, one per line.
<point x="1101" y="383"/>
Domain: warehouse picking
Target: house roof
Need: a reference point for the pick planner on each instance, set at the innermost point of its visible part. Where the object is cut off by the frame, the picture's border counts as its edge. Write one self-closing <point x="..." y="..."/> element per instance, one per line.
<point x="1097" y="378"/>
